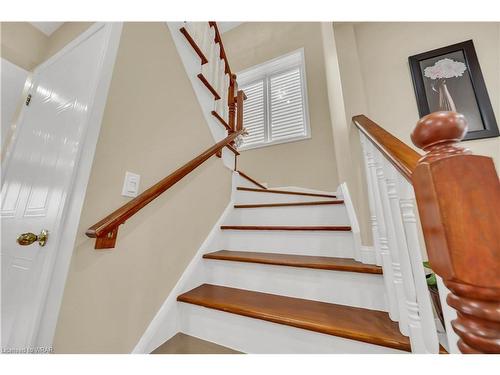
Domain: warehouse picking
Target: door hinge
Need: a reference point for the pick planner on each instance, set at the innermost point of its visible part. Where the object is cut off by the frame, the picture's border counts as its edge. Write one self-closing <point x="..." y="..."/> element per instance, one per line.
<point x="28" y="99"/>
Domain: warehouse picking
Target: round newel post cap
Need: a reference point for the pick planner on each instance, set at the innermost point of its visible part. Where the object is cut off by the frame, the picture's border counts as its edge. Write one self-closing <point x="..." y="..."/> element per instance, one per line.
<point x="438" y="128"/>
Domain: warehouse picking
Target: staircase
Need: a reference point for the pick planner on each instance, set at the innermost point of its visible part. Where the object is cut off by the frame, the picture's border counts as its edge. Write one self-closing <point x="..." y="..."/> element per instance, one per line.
<point x="283" y="270"/>
<point x="279" y="276"/>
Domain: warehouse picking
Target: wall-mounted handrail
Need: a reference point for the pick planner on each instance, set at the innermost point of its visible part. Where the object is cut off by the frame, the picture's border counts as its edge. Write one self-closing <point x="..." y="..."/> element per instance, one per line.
<point x="105" y="231"/>
<point x="402" y="156"/>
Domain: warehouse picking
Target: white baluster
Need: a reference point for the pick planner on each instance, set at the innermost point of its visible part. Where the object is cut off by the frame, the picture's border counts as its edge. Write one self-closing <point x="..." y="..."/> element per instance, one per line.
<point x="368" y="158"/>
<point x="222" y="86"/>
<point x="215" y="68"/>
<point x="449" y="314"/>
<point x="421" y="313"/>
<point x="207" y="68"/>
<point x="224" y="98"/>
<point x="417" y="335"/>
<point x="382" y="234"/>
<point x="391" y="243"/>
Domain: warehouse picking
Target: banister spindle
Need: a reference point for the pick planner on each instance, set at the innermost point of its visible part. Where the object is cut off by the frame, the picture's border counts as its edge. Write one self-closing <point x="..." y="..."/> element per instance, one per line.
<point x="240" y="97"/>
<point x="458" y="196"/>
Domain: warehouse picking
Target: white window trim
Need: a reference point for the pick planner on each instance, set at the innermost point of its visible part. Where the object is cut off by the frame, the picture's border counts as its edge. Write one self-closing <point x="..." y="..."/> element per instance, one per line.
<point x="269" y="68"/>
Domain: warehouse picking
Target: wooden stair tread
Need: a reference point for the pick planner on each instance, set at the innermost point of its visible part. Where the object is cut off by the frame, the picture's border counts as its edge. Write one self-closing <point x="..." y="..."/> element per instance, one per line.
<point x="334" y="228"/>
<point x="262" y="205"/>
<point x="285" y="192"/>
<point x="245" y="176"/>
<point x="291" y="260"/>
<point x="354" y="323"/>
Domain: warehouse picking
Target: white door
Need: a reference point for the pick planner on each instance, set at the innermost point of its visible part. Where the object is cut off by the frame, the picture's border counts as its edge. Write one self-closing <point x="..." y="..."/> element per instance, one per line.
<point x="38" y="176"/>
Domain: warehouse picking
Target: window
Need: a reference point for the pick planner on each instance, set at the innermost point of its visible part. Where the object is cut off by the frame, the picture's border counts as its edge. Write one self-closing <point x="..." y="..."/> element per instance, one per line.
<point x="276" y="107"/>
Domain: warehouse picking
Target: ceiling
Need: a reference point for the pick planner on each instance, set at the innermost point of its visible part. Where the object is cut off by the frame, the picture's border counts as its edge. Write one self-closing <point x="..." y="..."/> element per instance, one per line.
<point x="47" y="27"/>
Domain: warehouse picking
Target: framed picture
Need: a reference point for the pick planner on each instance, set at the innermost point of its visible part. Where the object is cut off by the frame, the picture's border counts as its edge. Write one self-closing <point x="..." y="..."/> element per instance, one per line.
<point x="450" y="79"/>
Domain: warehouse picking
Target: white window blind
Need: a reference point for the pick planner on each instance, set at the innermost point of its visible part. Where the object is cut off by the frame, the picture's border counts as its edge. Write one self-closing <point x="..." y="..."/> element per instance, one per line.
<point x="276" y="107"/>
<point x="254" y="113"/>
<point x="287" y="109"/>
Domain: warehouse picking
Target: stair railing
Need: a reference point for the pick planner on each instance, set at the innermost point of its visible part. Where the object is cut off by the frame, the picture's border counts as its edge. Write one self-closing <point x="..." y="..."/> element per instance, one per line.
<point x="452" y="198"/>
<point x="215" y="72"/>
<point x="217" y="77"/>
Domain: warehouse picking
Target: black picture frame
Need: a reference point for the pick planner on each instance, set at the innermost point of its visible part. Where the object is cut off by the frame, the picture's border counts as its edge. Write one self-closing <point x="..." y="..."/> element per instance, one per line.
<point x="487" y="116"/>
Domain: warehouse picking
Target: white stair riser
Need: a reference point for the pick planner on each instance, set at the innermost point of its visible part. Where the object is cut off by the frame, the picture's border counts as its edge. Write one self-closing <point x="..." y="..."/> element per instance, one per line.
<point x="257" y="336"/>
<point x="340" y="287"/>
<point x="243" y="196"/>
<point x="291" y="215"/>
<point x="333" y="244"/>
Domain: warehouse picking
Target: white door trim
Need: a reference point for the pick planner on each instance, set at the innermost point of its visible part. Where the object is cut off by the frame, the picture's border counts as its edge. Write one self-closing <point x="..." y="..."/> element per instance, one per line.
<point x="44" y="330"/>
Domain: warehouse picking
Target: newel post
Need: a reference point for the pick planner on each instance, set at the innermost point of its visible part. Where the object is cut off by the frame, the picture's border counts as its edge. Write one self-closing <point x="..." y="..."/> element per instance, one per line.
<point x="231" y="100"/>
<point x="458" y="197"/>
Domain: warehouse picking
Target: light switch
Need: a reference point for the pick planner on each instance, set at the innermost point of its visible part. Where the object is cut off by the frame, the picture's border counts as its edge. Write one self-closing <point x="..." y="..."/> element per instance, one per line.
<point x="131" y="184"/>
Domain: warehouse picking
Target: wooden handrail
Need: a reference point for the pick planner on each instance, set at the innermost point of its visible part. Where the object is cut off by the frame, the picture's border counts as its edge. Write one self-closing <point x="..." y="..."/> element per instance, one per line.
<point x="106" y="230"/>
<point x="402" y="156"/>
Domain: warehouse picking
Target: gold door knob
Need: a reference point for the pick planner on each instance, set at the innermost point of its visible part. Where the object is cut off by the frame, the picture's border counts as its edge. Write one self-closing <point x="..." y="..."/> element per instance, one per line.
<point x="26" y="239"/>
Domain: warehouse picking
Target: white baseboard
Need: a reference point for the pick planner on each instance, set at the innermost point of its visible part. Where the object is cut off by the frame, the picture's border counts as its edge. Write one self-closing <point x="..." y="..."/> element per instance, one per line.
<point x="368" y="255"/>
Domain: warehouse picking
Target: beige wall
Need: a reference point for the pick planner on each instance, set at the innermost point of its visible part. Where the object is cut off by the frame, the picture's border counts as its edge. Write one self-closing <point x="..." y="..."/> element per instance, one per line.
<point x="27" y="47"/>
<point x="23" y="44"/>
<point x="382" y="51"/>
<point x="343" y="102"/>
<point x="111" y="296"/>
<point x="308" y="163"/>
<point x="376" y="81"/>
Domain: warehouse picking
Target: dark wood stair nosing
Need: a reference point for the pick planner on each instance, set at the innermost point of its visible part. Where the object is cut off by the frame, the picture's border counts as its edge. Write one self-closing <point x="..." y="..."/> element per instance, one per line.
<point x="273" y="191"/>
<point x="292" y="260"/>
<point x="316" y="228"/>
<point x="301" y="313"/>
<point x="265" y="205"/>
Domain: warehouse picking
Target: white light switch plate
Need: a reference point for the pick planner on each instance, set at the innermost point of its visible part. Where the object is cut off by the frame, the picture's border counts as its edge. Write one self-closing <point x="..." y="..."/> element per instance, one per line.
<point x="131" y="184"/>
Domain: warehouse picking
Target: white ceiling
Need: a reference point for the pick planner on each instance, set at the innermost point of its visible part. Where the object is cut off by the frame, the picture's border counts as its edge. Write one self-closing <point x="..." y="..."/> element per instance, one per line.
<point x="47" y="27"/>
